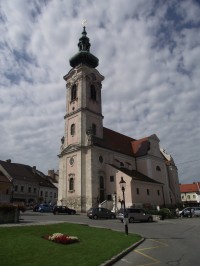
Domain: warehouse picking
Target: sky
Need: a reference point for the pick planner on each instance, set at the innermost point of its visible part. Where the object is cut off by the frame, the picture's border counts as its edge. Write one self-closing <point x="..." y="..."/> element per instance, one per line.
<point x="148" y="52"/>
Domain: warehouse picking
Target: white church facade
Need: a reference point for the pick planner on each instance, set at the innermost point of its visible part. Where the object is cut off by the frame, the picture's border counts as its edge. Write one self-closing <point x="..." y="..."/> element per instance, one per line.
<point x="93" y="159"/>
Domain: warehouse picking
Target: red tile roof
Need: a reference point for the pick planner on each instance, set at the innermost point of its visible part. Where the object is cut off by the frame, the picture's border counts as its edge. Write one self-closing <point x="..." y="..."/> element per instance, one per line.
<point x="184" y="188"/>
<point x="118" y="142"/>
<point x="140" y="147"/>
<point x="114" y="141"/>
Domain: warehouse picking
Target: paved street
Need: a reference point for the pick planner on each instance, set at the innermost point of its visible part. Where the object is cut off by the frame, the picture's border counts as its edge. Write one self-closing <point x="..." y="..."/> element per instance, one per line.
<point x="169" y="242"/>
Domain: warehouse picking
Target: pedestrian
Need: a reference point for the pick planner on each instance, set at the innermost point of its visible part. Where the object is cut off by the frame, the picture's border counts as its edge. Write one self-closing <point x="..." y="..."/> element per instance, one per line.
<point x="177" y="212"/>
<point x="191" y="212"/>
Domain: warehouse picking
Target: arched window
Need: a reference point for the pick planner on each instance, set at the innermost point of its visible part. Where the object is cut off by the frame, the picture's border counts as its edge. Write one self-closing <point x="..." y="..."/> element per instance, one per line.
<point x="94" y="129"/>
<point x="71" y="183"/>
<point x="73" y="92"/>
<point x="93" y="94"/>
<point x="73" y="129"/>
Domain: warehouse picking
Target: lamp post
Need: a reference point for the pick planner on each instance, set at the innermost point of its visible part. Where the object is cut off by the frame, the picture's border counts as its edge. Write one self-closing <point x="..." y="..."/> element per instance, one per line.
<point x="122" y="184"/>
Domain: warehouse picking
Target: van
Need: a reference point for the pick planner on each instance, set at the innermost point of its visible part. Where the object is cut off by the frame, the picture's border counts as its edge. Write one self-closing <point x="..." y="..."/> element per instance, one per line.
<point x="190" y="212"/>
<point x="135" y="215"/>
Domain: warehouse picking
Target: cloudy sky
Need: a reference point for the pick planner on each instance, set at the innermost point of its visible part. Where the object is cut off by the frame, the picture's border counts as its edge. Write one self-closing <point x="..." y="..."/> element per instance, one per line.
<point x="149" y="53"/>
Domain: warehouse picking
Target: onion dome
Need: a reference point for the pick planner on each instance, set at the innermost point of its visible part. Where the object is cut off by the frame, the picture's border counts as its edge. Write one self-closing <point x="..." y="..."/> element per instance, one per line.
<point x="84" y="56"/>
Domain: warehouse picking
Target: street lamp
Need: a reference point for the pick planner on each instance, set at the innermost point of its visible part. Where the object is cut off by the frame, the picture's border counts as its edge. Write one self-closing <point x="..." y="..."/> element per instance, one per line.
<point x="122" y="184"/>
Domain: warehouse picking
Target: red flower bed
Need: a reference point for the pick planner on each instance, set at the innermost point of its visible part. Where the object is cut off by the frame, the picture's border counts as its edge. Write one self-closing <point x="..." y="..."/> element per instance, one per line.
<point x="61" y="238"/>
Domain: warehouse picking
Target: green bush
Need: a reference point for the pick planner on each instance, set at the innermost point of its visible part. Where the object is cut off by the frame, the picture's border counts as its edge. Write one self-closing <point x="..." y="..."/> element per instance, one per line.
<point x="165" y="213"/>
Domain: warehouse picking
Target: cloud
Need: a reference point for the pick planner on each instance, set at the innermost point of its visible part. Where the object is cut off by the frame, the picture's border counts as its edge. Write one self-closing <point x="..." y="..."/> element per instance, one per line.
<point x="148" y="52"/>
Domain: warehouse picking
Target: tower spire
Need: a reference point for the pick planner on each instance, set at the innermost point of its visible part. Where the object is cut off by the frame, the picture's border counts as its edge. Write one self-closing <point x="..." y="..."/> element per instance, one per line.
<point x="84" y="56"/>
<point x="84" y="42"/>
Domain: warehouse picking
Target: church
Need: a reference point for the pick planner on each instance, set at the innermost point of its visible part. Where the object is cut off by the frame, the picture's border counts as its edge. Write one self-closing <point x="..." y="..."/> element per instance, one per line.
<point x="94" y="160"/>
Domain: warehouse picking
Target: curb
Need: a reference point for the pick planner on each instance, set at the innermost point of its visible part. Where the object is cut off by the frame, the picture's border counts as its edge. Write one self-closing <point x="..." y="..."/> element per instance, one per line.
<point x="122" y="254"/>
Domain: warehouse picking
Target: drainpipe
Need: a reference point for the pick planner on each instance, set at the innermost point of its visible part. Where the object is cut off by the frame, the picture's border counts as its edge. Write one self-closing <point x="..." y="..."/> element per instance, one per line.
<point x="163" y="196"/>
<point x="136" y="164"/>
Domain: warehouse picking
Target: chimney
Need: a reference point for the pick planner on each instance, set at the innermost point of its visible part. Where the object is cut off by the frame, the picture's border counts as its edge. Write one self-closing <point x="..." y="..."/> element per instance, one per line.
<point x="8" y="160"/>
<point x="34" y="170"/>
<point x="51" y="173"/>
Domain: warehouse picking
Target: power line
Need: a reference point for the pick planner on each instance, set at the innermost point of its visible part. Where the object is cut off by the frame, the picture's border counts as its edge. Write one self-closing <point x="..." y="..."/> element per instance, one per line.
<point x="189" y="162"/>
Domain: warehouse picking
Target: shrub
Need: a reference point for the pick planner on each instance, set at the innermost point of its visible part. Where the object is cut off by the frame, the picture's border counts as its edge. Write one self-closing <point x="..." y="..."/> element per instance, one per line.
<point x="165" y="213"/>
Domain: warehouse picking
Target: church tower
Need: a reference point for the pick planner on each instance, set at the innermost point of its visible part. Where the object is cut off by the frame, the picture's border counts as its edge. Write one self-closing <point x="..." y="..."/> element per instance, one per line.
<point x="83" y="120"/>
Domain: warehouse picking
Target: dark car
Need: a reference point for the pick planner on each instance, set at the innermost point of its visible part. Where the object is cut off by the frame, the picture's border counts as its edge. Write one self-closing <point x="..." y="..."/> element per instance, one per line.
<point x="63" y="209"/>
<point x="36" y="207"/>
<point x="135" y="215"/>
<point x="45" y="207"/>
<point x="98" y="213"/>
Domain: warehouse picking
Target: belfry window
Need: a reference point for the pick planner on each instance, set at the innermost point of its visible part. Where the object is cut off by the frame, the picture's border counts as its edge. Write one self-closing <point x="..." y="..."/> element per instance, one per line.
<point x="93" y="94"/>
<point x="73" y="129"/>
<point x="73" y="92"/>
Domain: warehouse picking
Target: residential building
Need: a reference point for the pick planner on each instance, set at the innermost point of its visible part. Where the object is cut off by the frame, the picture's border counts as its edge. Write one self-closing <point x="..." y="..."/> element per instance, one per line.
<point x="28" y="185"/>
<point x="190" y="193"/>
<point x="93" y="158"/>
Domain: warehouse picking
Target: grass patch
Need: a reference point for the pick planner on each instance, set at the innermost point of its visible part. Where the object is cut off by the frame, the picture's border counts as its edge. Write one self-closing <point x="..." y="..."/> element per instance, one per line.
<point x="24" y="246"/>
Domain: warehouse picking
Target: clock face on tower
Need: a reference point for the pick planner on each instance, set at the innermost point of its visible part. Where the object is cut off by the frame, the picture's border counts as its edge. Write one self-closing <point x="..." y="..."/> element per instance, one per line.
<point x="71" y="161"/>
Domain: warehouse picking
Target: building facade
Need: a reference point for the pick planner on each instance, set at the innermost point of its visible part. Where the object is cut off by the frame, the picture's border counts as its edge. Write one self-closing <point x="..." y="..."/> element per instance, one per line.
<point x="93" y="159"/>
<point x="190" y="194"/>
<point x="25" y="184"/>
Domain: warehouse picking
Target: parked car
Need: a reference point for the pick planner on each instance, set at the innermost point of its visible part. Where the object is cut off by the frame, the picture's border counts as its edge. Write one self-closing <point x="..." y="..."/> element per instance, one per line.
<point x="135" y="215"/>
<point x="63" y="209"/>
<point x="44" y="207"/>
<point x="190" y="212"/>
<point x="98" y="213"/>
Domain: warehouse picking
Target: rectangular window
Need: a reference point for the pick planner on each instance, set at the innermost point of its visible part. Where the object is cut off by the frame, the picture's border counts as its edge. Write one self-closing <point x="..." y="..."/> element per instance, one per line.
<point x="158" y="192"/>
<point x="147" y="191"/>
<point x="111" y="178"/>
<point x="34" y="190"/>
<point x="41" y="193"/>
<point x="16" y="188"/>
<point x="137" y="191"/>
<point x="22" y="188"/>
<point x="29" y="189"/>
<point x="46" y="194"/>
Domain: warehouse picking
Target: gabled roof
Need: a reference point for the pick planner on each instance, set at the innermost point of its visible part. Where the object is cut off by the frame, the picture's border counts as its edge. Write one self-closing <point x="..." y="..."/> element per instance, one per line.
<point x="118" y="142"/>
<point x="26" y="172"/>
<point x="140" y="147"/>
<point x="186" y="188"/>
<point x="137" y="176"/>
<point x="114" y="141"/>
<point x="19" y="171"/>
